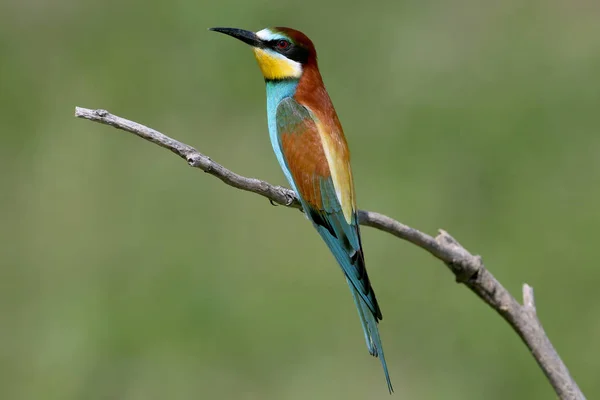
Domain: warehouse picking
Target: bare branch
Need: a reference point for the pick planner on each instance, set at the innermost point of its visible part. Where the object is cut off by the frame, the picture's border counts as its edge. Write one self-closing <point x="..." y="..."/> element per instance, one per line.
<point x="467" y="268"/>
<point x="528" y="300"/>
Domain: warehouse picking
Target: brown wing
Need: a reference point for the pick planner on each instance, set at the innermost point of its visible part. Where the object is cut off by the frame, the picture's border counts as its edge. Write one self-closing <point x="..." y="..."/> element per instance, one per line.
<point x="303" y="151"/>
<point x="309" y="158"/>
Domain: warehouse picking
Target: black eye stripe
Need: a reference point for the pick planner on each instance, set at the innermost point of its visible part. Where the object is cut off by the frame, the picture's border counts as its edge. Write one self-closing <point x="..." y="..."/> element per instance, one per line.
<point x="292" y="51"/>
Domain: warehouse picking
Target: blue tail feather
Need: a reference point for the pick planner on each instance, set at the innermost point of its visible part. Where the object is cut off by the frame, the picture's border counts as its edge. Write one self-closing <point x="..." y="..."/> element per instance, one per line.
<point x="368" y="317"/>
<point x="371" y="331"/>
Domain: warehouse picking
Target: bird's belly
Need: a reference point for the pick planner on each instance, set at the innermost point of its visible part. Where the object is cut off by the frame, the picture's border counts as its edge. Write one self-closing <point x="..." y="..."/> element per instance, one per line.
<point x="279" y="154"/>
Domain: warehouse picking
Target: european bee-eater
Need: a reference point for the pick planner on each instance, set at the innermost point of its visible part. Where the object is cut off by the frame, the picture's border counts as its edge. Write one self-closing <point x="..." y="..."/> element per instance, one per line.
<point x="310" y="146"/>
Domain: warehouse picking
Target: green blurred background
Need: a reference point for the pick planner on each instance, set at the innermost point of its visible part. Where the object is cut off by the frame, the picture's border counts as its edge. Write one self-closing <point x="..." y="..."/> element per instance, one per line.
<point x="127" y="275"/>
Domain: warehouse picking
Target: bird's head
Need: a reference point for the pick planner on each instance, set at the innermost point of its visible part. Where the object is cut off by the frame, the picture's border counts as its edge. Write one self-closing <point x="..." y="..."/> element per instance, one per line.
<point x="282" y="53"/>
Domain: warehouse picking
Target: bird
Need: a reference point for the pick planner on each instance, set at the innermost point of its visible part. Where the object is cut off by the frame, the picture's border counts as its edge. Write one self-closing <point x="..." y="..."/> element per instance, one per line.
<point x="310" y="146"/>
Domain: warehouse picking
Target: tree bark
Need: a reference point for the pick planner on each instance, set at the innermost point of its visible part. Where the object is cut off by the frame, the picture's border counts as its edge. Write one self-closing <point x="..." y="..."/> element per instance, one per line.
<point x="467" y="268"/>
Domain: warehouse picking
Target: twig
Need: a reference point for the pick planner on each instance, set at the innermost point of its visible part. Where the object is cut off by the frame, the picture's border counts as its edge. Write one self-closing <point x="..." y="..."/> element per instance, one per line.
<point x="467" y="268"/>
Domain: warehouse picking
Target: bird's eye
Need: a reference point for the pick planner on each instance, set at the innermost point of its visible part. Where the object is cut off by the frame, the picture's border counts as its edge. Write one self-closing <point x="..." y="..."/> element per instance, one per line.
<point x="282" y="44"/>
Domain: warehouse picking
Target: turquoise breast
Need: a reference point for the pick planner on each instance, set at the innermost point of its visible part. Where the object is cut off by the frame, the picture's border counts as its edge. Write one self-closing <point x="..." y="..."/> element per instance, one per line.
<point x="277" y="91"/>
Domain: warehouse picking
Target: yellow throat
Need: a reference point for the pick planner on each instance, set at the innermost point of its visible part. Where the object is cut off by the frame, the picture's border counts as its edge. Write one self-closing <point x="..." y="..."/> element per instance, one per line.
<point x="276" y="66"/>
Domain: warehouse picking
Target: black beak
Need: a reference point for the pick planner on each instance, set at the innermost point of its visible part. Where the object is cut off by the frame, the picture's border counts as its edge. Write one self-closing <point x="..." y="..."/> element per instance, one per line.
<point x="245" y="36"/>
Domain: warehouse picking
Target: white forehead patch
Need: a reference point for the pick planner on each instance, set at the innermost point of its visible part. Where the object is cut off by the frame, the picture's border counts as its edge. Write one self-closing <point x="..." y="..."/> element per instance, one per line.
<point x="266" y="34"/>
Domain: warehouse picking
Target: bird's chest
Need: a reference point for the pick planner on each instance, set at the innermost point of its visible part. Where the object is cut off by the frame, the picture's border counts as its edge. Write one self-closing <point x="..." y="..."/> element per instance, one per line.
<point x="276" y="92"/>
